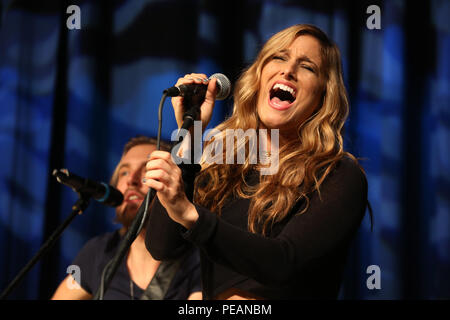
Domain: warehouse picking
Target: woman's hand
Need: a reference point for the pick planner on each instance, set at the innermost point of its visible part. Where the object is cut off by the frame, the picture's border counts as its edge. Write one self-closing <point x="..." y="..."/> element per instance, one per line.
<point x="164" y="176"/>
<point x="207" y="106"/>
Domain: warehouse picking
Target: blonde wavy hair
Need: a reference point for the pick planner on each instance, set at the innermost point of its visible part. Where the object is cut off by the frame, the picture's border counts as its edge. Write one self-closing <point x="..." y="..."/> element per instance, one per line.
<point x="304" y="163"/>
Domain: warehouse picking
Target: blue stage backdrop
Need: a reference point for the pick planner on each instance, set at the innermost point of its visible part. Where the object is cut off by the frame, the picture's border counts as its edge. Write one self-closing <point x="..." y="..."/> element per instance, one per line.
<point x="71" y="98"/>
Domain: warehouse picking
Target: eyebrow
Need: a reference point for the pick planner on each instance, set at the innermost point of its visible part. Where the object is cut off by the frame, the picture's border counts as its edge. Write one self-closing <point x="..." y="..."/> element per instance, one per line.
<point x="123" y="165"/>
<point x="301" y="58"/>
<point x="127" y="165"/>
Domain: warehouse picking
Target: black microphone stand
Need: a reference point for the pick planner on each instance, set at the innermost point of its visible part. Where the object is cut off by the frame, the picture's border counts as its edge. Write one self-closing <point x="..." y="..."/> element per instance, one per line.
<point x="191" y="103"/>
<point x="78" y="208"/>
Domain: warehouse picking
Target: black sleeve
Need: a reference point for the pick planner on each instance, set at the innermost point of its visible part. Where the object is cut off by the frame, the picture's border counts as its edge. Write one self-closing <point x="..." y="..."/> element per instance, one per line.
<point x="164" y="238"/>
<point x="274" y="261"/>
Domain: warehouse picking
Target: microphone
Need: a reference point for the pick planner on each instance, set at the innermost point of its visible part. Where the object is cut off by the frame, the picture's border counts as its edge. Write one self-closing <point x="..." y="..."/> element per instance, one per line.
<point x="194" y="95"/>
<point x="199" y="90"/>
<point x="100" y="191"/>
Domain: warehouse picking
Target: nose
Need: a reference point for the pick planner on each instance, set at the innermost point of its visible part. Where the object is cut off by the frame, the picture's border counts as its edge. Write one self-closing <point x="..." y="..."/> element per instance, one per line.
<point x="288" y="71"/>
<point x="134" y="178"/>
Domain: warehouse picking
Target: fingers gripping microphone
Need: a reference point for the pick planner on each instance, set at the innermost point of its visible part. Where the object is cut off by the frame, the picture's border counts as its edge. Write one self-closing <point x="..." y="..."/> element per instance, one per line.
<point x="194" y="94"/>
<point x="100" y="191"/>
<point x="199" y="90"/>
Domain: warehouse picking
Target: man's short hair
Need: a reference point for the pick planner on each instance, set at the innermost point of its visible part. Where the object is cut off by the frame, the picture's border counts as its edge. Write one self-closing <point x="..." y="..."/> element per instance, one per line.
<point x="133" y="142"/>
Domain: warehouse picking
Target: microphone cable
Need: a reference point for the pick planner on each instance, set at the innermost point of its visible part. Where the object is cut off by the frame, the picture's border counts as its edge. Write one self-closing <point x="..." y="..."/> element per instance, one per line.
<point x="111" y="267"/>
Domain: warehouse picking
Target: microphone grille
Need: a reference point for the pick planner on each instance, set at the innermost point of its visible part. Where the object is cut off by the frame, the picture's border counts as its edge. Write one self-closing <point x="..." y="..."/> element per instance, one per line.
<point x="224" y="85"/>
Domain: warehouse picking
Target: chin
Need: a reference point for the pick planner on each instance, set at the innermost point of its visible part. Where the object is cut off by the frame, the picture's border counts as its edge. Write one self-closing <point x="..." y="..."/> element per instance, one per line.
<point x="126" y="215"/>
<point x="271" y="118"/>
<point x="272" y="121"/>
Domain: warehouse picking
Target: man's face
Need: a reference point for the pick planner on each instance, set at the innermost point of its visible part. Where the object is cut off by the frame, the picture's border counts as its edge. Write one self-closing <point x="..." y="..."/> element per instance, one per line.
<point x="129" y="181"/>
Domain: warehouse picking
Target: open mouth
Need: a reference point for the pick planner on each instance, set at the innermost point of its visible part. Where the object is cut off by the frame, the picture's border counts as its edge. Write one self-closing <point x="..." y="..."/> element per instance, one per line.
<point x="133" y="196"/>
<point x="281" y="96"/>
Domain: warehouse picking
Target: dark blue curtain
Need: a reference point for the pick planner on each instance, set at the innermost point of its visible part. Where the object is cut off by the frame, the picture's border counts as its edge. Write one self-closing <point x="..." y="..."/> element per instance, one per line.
<point x="72" y="98"/>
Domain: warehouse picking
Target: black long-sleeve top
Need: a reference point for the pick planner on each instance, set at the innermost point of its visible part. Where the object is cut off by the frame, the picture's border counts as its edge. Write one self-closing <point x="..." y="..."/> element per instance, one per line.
<point x="303" y="256"/>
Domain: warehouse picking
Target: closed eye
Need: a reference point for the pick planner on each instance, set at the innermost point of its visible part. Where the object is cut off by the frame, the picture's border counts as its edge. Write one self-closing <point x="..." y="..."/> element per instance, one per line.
<point x="279" y="58"/>
<point x="307" y="67"/>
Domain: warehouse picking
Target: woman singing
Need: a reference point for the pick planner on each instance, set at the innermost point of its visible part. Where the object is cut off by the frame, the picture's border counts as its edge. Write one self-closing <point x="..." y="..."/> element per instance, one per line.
<point x="283" y="235"/>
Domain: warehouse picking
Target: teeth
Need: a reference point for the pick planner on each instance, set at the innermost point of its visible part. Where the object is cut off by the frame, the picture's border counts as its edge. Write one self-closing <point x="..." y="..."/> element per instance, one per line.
<point x="284" y="88"/>
<point x="133" y="197"/>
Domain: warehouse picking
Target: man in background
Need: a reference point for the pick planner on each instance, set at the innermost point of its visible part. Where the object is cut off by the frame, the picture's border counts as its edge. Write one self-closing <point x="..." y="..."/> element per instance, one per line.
<point x="138" y="268"/>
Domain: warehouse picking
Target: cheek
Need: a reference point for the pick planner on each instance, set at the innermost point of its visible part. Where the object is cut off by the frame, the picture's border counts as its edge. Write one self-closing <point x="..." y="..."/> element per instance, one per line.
<point x="268" y="73"/>
<point x="121" y="186"/>
<point x="260" y="103"/>
<point x="310" y="102"/>
<point x="260" y="109"/>
<point x="318" y="97"/>
<point x="312" y="92"/>
<point x="262" y="91"/>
